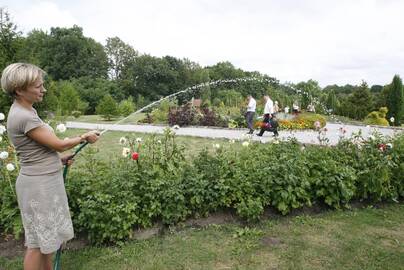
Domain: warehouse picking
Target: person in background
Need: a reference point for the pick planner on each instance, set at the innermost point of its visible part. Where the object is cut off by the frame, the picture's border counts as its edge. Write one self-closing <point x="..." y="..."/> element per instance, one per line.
<point x="295" y="107"/>
<point x="311" y="108"/>
<point x="276" y="107"/>
<point x="269" y="124"/>
<point x="40" y="188"/>
<point x="250" y="113"/>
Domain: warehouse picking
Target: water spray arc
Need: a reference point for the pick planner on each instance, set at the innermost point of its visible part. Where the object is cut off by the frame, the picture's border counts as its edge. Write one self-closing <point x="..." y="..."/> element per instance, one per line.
<point x="57" y="260"/>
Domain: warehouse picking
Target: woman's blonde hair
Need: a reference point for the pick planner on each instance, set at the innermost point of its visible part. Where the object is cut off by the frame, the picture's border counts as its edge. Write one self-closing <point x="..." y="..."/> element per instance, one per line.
<point x="19" y="76"/>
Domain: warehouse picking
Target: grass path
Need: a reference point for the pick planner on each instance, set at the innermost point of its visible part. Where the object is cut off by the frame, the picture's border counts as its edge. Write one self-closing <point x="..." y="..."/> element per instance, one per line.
<point x="367" y="238"/>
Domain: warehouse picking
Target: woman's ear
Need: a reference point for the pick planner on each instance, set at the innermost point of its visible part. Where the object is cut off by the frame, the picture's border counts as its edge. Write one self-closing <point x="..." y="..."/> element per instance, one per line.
<point x="18" y="92"/>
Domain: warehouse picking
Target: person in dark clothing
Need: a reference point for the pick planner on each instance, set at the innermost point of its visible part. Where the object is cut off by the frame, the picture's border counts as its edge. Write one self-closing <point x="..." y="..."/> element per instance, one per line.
<point x="269" y="124"/>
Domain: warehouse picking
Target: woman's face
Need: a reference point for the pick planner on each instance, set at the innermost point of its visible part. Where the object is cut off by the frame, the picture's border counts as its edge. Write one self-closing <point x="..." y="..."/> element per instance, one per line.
<point x="34" y="92"/>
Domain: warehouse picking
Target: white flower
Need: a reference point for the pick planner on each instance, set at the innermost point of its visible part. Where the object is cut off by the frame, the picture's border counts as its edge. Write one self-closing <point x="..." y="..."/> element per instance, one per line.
<point x="122" y="140"/>
<point x="389" y="145"/>
<point x="2" y="116"/>
<point x="61" y="128"/>
<point x="138" y="140"/>
<point x="371" y="137"/>
<point x="176" y="127"/>
<point x="125" y="151"/>
<point x="159" y="142"/>
<point x="10" y="167"/>
<point x="392" y="119"/>
<point x="3" y="155"/>
<point x="216" y="145"/>
<point x="232" y="141"/>
<point x="1" y="138"/>
<point x="245" y="144"/>
<point x="276" y="142"/>
<point x="2" y="129"/>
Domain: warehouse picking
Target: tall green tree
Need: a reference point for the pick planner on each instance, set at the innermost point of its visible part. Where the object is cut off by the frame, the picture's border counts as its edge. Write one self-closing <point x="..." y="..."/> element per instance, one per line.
<point x="360" y="101"/>
<point x="332" y="101"/>
<point x="34" y="48"/>
<point x="69" y="54"/>
<point x="10" y="39"/>
<point x="10" y="42"/>
<point x="395" y="100"/>
<point x="120" y="56"/>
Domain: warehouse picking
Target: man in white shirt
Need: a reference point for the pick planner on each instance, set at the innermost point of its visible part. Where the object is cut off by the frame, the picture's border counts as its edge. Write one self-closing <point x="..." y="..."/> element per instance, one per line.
<point x="252" y="104"/>
<point x="269" y="106"/>
<point x="268" y="123"/>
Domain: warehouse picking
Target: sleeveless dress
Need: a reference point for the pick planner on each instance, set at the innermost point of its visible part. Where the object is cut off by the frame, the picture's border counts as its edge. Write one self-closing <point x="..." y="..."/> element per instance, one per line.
<point x="40" y="187"/>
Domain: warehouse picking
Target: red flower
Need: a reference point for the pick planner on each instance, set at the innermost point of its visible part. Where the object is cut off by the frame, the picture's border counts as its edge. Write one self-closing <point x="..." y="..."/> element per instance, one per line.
<point x="382" y="146"/>
<point x="135" y="155"/>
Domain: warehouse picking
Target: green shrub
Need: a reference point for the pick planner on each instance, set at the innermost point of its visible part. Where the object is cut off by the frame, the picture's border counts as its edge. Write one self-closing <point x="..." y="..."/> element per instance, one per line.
<point x="126" y="107"/>
<point x="76" y="114"/>
<point x="377" y="118"/>
<point x="10" y="221"/>
<point x="107" y="108"/>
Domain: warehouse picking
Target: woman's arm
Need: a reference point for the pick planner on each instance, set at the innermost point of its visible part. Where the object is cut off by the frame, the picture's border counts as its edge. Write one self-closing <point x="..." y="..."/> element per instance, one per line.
<point x="44" y="136"/>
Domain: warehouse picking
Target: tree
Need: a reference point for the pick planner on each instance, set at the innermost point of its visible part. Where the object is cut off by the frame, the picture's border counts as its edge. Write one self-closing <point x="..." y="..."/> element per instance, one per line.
<point x="108" y="108"/>
<point x="93" y="90"/>
<point x="360" y="101"/>
<point x="126" y="107"/>
<point x="224" y="70"/>
<point x="332" y="101"/>
<point x="68" y="54"/>
<point x="395" y="100"/>
<point x="69" y="99"/>
<point x="308" y="90"/>
<point x="10" y="39"/>
<point x="9" y="45"/>
<point x="120" y="56"/>
<point x="153" y="77"/>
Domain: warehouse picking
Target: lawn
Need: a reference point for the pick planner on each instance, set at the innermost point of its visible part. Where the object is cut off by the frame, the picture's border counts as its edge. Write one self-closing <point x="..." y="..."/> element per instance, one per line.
<point x="132" y="119"/>
<point x="108" y="144"/>
<point x="369" y="238"/>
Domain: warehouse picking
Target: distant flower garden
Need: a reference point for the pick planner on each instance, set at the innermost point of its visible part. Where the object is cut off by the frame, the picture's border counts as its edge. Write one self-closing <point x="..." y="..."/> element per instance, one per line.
<point x="189" y="115"/>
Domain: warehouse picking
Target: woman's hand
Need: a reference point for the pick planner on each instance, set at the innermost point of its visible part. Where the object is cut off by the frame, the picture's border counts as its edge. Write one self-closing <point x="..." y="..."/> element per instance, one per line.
<point x="67" y="159"/>
<point x="91" y="136"/>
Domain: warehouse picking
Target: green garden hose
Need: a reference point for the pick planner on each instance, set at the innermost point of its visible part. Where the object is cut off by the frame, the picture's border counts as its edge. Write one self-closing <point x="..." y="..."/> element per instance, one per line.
<point x="56" y="263"/>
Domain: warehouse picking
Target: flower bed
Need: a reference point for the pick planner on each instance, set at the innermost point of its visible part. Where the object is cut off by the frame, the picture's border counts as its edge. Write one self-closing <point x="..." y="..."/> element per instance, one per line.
<point x="152" y="181"/>
<point x="303" y="121"/>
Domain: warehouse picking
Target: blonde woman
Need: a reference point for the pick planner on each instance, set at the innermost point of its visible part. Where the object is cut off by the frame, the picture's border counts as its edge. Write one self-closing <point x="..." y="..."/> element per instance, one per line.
<point x="40" y="189"/>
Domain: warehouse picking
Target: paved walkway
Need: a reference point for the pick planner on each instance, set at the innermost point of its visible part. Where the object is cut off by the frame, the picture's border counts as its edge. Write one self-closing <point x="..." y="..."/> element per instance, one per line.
<point x="306" y="136"/>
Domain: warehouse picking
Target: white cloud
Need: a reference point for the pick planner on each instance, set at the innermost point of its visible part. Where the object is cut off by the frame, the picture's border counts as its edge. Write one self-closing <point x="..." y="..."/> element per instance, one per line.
<point x="41" y="15"/>
<point x="329" y="41"/>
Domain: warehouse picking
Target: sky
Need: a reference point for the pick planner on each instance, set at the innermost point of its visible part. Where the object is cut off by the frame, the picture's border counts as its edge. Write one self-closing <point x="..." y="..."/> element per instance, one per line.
<point x="333" y="42"/>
